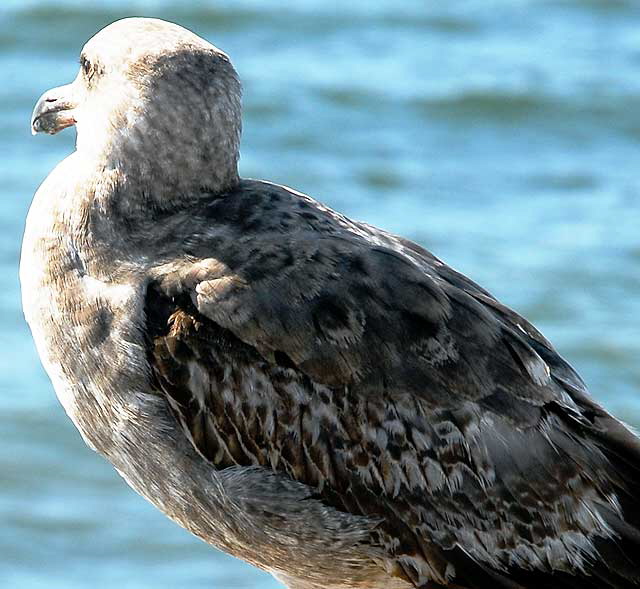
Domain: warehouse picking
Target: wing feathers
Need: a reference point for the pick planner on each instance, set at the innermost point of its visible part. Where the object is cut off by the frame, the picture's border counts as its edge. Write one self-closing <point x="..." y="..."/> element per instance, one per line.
<point x="396" y="388"/>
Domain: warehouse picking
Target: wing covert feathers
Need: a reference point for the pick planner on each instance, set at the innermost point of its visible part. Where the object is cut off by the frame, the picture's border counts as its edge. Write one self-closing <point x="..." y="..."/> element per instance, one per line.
<point x="360" y="365"/>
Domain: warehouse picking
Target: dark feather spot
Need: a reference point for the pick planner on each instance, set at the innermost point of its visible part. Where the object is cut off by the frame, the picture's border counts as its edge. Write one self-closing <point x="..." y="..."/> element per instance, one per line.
<point x="329" y="314"/>
<point x="101" y="328"/>
<point x="418" y="326"/>
<point x="283" y="360"/>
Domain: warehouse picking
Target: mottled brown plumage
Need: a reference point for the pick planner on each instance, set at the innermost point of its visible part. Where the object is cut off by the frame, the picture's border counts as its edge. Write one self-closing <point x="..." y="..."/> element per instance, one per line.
<point x="361" y="365"/>
<point x="321" y="398"/>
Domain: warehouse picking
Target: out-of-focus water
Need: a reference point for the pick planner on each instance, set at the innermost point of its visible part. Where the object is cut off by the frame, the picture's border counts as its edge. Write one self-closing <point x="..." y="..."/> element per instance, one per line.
<point x="503" y="135"/>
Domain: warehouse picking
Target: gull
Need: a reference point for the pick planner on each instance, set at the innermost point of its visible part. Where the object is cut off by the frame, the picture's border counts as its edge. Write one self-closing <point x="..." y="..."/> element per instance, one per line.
<point x="318" y="397"/>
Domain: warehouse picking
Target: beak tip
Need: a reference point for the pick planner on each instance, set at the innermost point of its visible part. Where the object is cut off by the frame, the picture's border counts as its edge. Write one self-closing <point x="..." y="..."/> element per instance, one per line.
<point x="53" y="111"/>
<point x="36" y="125"/>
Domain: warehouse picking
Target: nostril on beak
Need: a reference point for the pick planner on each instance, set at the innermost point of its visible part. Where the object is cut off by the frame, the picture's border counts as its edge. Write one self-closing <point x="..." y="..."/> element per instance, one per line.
<point x="50" y="99"/>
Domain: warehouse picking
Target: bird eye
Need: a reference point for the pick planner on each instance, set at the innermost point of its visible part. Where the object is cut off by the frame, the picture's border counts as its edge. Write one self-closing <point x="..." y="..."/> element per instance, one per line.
<point x="87" y="68"/>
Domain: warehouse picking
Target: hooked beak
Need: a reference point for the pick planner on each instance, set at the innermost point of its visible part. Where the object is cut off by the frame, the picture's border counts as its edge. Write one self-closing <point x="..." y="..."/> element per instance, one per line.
<point x="54" y="111"/>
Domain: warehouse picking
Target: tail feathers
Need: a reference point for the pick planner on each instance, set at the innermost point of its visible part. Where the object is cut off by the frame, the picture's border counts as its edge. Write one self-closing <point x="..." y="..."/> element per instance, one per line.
<point x="615" y="564"/>
<point x="621" y="553"/>
<point x="618" y="562"/>
<point x="614" y="570"/>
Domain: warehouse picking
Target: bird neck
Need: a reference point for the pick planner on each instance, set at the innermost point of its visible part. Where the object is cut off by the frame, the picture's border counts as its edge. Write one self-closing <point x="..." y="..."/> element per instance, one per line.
<point x="139" y="174"/>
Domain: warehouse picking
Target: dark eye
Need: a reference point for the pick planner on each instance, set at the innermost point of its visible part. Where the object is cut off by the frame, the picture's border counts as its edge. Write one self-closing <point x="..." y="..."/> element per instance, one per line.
<point x="87" y="68"/>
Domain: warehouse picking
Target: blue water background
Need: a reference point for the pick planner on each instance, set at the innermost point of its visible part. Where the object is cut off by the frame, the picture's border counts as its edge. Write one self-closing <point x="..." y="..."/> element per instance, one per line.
<point x="502" y="135"/>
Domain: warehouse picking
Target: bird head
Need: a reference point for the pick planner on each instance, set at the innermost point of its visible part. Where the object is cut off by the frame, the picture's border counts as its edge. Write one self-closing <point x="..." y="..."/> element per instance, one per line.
<point x="151" y="96"/>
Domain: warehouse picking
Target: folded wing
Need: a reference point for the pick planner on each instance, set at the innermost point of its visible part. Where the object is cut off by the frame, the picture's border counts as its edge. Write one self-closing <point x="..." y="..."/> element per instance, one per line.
<point x="357" y="363"/>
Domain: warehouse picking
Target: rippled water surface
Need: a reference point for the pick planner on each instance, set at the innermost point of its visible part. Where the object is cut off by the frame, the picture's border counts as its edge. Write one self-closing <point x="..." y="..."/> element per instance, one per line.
<point x="503" y="135"/>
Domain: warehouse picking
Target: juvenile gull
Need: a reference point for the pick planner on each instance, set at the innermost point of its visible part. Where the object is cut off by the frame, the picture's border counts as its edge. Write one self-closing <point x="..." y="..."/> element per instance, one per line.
<point x="316" y="396"/>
